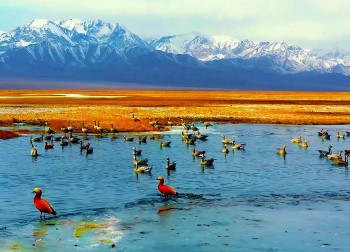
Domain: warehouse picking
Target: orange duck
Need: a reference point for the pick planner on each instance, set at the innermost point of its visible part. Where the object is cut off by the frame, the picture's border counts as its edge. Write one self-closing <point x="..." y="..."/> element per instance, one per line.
<point x="165" y="189"/>
<point x="41" y="204"/>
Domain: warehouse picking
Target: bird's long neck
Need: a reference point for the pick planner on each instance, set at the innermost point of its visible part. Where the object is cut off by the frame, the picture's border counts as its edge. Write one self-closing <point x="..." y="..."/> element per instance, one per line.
<point x="161" y="182"/>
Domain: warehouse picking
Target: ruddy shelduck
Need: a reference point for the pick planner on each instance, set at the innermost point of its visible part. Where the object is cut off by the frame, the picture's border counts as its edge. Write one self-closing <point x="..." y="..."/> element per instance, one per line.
<point x="41" y="204"/>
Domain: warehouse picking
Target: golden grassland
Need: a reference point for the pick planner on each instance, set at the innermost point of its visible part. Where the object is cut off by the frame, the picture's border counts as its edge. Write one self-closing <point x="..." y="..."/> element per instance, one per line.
<point x="58" y="107"/>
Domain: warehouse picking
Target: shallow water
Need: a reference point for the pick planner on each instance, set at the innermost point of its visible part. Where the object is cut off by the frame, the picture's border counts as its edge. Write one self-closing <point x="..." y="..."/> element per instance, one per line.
<point x="251" y="200"/>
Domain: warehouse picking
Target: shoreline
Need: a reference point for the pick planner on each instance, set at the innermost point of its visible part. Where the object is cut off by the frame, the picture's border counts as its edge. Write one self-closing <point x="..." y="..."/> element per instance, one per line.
<point x="132" y="110"/>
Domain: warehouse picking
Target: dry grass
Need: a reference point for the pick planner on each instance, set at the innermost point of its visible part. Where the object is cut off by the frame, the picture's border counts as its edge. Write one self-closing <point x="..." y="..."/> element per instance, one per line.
<point x="107" y="107"/>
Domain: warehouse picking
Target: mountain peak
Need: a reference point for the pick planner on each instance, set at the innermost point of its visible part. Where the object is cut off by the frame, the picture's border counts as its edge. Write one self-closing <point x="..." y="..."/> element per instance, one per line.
<point x="69" y="24"/>
<point x="38" y="23"/>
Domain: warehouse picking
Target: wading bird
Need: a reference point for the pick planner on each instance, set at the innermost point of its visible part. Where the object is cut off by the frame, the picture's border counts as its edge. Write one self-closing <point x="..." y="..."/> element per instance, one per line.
<point x="41" y="204"/>
<point x="165" y="189"/>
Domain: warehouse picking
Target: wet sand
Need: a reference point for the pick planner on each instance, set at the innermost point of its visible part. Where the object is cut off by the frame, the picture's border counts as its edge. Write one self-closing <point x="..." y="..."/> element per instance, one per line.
<point x="131" y="110"/>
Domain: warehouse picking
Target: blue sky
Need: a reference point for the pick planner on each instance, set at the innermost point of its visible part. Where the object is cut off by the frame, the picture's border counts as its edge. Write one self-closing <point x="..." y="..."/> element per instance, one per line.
<point x="308" y="23"/>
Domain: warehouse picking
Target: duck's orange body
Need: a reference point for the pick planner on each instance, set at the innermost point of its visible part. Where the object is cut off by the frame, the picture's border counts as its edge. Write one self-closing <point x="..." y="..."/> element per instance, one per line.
<point x="41" y="204"/>
<point x="165" y="189"/>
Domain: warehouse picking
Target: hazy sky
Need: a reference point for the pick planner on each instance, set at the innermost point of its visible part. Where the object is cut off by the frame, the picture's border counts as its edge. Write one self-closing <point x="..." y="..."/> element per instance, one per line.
<point x="307" y="23"/>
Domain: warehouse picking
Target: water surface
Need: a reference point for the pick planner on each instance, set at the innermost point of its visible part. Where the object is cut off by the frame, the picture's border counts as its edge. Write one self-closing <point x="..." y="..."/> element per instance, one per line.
<point x="251" y="200"/>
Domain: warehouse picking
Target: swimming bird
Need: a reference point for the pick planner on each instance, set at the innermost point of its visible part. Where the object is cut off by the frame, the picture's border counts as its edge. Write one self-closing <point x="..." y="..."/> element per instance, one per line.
<point x="37" y="139"/>
<point x="128" y="139"/>
<point x="34" y="151"/>
<point x="48" y="146"/>
<point x="200" y="136"/>
<point x="190" y="141"/>
<point x="197" y="153"/>
<point x="73" y="139"/>
<point x="165" y="189"/>
<point x="142" y="139"/>
<point x="282" y="151"/>
<point x="142" y="169"/>
<point x="224" y="149"/>
<point x="340" y="161"/>
<point x="170" y="166"/>
<point x="325" y="135"/>
<point x="304" y="144"/>
<point x="88" y="149"/>
<point x="194" y="128"/>
<point x="338" y="135"/>
<point x="320" y="132"/>
<point x="139" y="162"/>
<point x="41" y="204"/>
<point x="84" y="146"/>
<point x="186" y="135"/>
<point x="238" y="146"/>
<point x="324" y="153"/>
<point x="296" y="139"/>
<point x="63" y="143"/>
<point x="207" y="162"/>
<point x="165" y="144"/>
<point x="226" y="140"/>
<point x="136" y="152"/>
<point x="335" y="156"/>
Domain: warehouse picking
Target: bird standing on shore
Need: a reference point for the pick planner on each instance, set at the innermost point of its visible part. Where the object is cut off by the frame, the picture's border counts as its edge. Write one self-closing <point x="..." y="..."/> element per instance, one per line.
<point x="41" y="204"/>
<point x="165" y="189"/>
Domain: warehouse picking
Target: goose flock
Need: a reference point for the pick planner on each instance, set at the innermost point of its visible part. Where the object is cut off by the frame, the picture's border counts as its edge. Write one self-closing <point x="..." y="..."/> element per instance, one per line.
<point x="189" y="135"/>
<point x="336" y="158"/>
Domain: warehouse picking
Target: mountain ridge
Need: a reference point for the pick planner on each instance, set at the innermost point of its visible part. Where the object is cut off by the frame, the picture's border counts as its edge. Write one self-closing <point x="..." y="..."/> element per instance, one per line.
<point x="72" y="49"/>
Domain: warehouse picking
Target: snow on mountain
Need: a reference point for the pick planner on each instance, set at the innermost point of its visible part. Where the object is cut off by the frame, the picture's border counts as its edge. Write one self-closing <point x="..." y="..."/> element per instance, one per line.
<point x="71" y="24"/>
<point x="339" y="55"/>
<point x="34" y="32"/>
<point x="83" y="42"/>
<point x="281" y="56"/>
<point x="195" y="44"/>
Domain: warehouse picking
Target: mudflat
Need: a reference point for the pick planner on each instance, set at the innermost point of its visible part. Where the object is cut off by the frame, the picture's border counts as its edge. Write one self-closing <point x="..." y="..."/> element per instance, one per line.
<point x="132" y="110"/>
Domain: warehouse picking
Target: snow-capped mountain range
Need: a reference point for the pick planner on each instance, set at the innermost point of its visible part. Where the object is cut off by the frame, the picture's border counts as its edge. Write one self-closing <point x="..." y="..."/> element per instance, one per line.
<point x="97" y="44"/>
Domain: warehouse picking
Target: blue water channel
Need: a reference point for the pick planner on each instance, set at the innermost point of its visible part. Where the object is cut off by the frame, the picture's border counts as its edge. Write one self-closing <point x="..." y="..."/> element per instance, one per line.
<point x="249" y="200"/>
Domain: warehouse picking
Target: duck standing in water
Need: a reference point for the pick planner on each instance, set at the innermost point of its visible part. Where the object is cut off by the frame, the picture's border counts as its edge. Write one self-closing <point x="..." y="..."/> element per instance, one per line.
<point x="41" y="204"/>
<point x="165" y="189"/>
